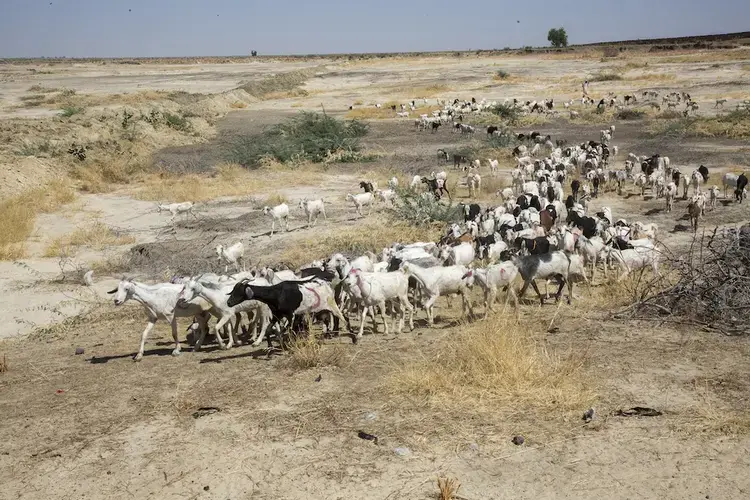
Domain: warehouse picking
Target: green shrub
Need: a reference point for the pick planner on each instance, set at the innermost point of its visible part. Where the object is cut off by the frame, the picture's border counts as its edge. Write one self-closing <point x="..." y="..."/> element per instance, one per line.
<point x="419" y="210"/>
<point x="69" y="111"/>
<point x="177" y="122"/>
<point x="308" y="136"/>
<point x="506" y="112"/>
<point x="502" y="74"/>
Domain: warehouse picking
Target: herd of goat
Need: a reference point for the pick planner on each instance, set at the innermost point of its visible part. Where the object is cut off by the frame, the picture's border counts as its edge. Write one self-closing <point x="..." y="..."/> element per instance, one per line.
<point x="536" y="232"/>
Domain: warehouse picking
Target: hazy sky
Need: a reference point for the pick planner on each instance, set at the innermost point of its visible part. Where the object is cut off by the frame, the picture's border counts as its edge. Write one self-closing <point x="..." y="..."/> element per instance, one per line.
<point x="107" y="28"/>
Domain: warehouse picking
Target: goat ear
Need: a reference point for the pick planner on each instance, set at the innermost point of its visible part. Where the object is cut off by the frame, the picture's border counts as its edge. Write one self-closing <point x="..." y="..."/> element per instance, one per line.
<point x="248" y="292"/>
<point x="112" y="291"/>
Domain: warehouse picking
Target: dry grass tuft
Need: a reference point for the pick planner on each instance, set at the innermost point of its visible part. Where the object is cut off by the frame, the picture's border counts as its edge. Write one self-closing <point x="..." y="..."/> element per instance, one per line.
<point x="229" y="180"/>
<point x="97" y="235"/>
<point x="369" y="235"/>
<point x="18" y="214"/>
<point x="496" y="363"/>
<point x="4" y="364"/>
<point x="652" y="77"/>
<point x="275" y="199"/>
<point x="309" y="352"/>
<point x="448" y="488"/>
<point x="238" y="105"/>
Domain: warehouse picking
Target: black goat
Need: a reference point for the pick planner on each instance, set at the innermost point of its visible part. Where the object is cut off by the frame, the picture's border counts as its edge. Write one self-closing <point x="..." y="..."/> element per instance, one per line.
<point x="492" y="129"/>
<point x="739" y="193"/>
<point x="285" y="300"/>
<point x="575" y="186"/>
<point x="471" y="212"/>
<point x="458" y="159"/>
<point x="436" y="187"/>
<point x="367" y="186"/>
<point x="587" y="225"/>
<point x="704" y="173"/>
<point x="533" y="246"/>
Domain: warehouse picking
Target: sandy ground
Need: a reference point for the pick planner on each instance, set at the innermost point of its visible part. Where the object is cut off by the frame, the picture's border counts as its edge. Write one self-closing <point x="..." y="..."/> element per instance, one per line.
<point x="99" y="426"/>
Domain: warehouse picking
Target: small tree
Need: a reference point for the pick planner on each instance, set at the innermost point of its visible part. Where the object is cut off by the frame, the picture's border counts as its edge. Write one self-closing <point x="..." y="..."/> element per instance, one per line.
<point x="558" y="37"/>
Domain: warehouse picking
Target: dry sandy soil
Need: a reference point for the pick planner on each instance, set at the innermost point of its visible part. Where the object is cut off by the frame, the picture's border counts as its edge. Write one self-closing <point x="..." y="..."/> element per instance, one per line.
<point x="99" y="426"/>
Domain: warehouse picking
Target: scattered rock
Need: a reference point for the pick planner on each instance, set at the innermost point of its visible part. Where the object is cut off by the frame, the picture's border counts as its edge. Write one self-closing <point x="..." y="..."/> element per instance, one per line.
<point x="588" y="415"/>
<point x="402" y="452"/>
<point x="474" y="447"/>
<point x="206" y="488"/>
<point x="518" y="440"/>
<point x="319" y="378"/>
<point x="79" y="351"/>
<point x="368" y="437"/>
<point x="205" y="410"/>
<point x="371" y="416"/>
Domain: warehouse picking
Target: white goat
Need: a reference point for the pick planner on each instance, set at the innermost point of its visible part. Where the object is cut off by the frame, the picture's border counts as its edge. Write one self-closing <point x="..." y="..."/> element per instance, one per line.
<point x="231" y="255"/>
<point x="313" y="209"/>
<point x="375" y="289"/>
<point x="493" y="167"/>
<point x="637" y="258"/>
<point x="386" y="195"/>
<point x="280" y="213"/>
<point x="160" y="302"/>
<point x="360" y="200"/>
<point x="490" y="279"/>
<point x="185" y="207"/>
<point x="474" y="181"/>
<point x="670" y="193"/>
<point x="436" y="281"/>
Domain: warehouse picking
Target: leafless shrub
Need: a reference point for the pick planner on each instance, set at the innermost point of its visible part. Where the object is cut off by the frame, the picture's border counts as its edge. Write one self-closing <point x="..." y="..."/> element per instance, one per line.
<point x="711" y="286"/>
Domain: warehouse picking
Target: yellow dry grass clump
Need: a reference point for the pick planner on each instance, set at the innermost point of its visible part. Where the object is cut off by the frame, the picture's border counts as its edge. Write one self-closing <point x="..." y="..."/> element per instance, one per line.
<point x="18" y="215"/>
<point x="497" y="363"/>
<point x="97" y="235"/>
<point x="368" y="236"/>
<point x="230" y="180"/>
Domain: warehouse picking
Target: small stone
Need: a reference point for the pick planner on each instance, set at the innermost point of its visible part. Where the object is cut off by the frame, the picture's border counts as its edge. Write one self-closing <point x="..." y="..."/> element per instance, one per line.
<point x="588" y="415"/>
<point x="474" y="447"/>
<point x="79" y="351"/>
<point x="402" y="452"/>
<point x="206" y="488"/>
<point x="518" y="440"/>
<point x="371" y="416"/>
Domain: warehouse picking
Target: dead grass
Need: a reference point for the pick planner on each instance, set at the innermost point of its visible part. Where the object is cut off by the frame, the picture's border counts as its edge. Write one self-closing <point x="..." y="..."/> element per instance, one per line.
<point x="369" y="235"/>
<point x="651" y="77"/>
<point x="238" y="105"/>
<point x="229" y="180"/>
<point x="419" y="91"/>
<point x="96" y="235"/>
<point x="309" y="352"/>
<point x="18" y="215"/>
<point x="275" y="199"/>
<point x="4" y="364"/>
<point x="447" y="488"/>
<point x="496" y="363"/>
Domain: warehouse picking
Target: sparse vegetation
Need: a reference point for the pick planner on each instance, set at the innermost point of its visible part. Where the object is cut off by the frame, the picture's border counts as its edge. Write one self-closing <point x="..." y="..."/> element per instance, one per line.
<point x="279" y="84"/>
<point x="96" y="235"/>
<point x="421" y="210"/>
<point x="69" y="111"/>
<point x="18" y="214"/>
<point x="306" y="137"/>
<point x="508" y="113"/>
<point x="732" y="125"/>
<point x="309" y="352"/>
<point x="606" y="77"/>
<point x="496" y="363"/>
<point x="501" y="75"/>
<point x="177" y="122"/>
<point x="630" y="114"/>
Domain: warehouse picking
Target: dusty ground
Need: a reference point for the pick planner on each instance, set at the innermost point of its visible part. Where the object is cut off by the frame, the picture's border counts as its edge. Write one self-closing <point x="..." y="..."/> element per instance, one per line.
<point x="99" y="426"/>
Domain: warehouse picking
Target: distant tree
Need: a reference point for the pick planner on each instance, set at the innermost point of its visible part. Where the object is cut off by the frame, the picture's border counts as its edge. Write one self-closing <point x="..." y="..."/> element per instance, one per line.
<point x="558" y="37"/>
<point x="253" y="53"/>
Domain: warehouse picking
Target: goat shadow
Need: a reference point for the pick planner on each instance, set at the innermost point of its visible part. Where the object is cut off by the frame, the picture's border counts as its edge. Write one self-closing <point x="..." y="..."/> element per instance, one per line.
<point x="681" y="228"/>
<point x="654" y="211"/>
<point x="260" y="353"/>
<point x="96" y="360"/>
